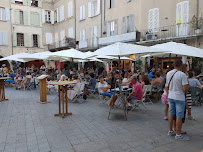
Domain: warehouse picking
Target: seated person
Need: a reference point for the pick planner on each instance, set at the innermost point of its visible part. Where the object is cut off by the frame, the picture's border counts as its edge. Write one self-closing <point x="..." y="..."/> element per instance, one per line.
<point x="91" y="85"/>
<point x="5" y="74"/>
<point x="157" y="79"/>
<point x="72" y="93"/>
<point x="145" y="80"/>
<point x="18" y="78"/>
<point x="104" y="87"/>
<point x="193" y="82"/>
<point x="111" y="80"/>
<point x="136" y="92"/>
<point x="117" y="75"/>
<point x="12" y="75"/>
<point x="125" y="81"/>
<point x="152" y="74"/>
<point x="28" y="76"/>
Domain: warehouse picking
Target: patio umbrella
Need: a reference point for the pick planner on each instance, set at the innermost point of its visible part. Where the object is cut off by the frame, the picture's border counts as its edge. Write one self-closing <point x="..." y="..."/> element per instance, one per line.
<point x="67" y="54"/>
<point x="15" y="57"/>
<point x="36" y="56"/>
<point x="124" y="49"/>
<point x="180" y="49"/>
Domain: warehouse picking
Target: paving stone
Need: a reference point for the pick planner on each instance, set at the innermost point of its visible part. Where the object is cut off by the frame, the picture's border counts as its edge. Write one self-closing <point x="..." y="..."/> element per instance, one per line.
<point x="27" y="126"/>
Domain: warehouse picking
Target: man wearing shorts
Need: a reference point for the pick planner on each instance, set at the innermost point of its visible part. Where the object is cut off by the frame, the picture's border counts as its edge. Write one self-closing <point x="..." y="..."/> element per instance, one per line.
<point x="178" y="86"/>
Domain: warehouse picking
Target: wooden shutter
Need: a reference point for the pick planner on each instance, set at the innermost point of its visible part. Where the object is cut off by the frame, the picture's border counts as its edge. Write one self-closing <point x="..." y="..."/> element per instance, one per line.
<point x="4" y="38"/>
<point x="25" y="2"/>
<point x="132" y="22"/>
<point x="43" y="16"/>
<point x="95" y="36"/>
<point x="61" y="13"/>
<point x="17" y="17"/>
<point x="116" y="27"/>
<point x="108" y="28"/>
<point x="156" y="20"/>
<point x="98" y="6"/>
<point x="25" y="17"/>
<point x="70" y="32"/>
<point x="38" y="40"/>
<point x="1" y="38"/>
<point x="70" y="9"/>
<point x="50" y="38"/>
<point x="108" y="3"/>
<point x="81" y="12"/>
<point x="40" y="3"/>
<point x="31" y="19"/>
<point x="89" y="9"/>
<point x="37" y="19"/>
<point x="62" y="34"/>
<point x="124" y="25"/>
<point x="150" y="20"/>
<point x="26" y="41"/>
<point x="81" y="35"/>
<point x="52" y="17"/>
<point x="112" y="3"/>
<point x="7" y="14"/>
<point x="47" y="38"/>
<point x="185" y="12"/>
<point x="57" y="15"/>
<point x="14" y="39"/>
<point x="56" y="37"/>
<point x="29" y="2"/>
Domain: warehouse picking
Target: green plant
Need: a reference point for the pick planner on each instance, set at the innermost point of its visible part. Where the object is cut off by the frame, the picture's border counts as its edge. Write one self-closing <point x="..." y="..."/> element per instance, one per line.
<point x="197" y="65"/>
<point x="197" y="22"/>
<point x="14" y="65"/>
<point x="138" y="64"/>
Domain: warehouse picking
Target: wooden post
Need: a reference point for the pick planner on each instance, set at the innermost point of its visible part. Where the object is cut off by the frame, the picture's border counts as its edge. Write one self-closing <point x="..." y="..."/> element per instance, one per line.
<point x="43" y="89"/>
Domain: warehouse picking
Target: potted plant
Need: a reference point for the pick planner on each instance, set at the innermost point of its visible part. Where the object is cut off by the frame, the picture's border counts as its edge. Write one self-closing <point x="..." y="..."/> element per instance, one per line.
<point x="197" y="23"/>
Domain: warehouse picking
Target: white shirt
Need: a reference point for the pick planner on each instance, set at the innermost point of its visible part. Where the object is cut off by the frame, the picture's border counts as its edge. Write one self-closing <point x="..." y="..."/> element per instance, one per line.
<point x="103" y="85"/>
<point x="176" y="91"/>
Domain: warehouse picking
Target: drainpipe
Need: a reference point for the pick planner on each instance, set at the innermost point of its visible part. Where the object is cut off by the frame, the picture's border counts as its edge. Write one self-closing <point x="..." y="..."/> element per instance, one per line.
<point x="11" y="28"/>
<point x="75" y="20"/>
<point x="197" y="12"/>
<point x="101" y="2"/>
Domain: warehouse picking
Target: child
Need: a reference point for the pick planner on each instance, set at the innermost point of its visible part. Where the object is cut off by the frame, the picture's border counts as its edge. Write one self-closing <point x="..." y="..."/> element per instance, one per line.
<point x="164" y="99"/>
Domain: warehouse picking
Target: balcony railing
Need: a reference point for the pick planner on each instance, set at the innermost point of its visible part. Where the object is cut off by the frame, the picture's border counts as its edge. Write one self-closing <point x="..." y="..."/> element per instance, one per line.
<point x="170" y="32"/>
<point x="64" y="44"/>
<point x="91" y="43"/>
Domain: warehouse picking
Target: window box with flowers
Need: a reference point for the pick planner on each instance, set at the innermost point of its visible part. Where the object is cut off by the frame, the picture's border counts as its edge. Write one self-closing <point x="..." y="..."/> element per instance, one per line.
<point x="197" y="24"/>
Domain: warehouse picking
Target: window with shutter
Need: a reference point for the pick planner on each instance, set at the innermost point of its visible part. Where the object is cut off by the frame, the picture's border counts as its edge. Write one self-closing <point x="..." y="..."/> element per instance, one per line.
<point x="55" y="16"/>
<point x="57" y="40"/>
<point x="98" y="6"/>
<point x="17" y="17"/>
<point x="82" y="12"/>
<point x="2" y="14"/>
<point x="18" y="1"/>
<point x="24" y="17"/>
<point x="21" y="17"/>
<point x="8" y="14"/>
<point x="70" y="9"/>
<point x="61" y="13"/>
<point x="153" y="20"/>
<point x="3" y="39"/>
<point x="48" y="38"/>
<point x="182" y="18"/>
<point x="52" y="17"/>
<point x="26" y="40"/>
<point x="14" y="39"/>
<point x="43" y="16"/>
<point x="81" y="17"/>
<point x="35" y="40"/>
<point x="20" y="39"/>
<point x="89" y="9"/>
<point x="48" y="17"/>
<point x="70" y="32"/>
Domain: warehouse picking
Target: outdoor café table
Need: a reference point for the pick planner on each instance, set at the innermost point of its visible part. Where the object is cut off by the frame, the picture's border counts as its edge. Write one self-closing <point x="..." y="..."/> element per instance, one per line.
<point x="121" y="100"/>
<point x="63" y="85"/>
<point x="2" y="89"/>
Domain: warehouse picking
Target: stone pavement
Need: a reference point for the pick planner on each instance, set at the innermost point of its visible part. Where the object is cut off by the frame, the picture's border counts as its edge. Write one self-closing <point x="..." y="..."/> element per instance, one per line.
<point x="28" y="126"/>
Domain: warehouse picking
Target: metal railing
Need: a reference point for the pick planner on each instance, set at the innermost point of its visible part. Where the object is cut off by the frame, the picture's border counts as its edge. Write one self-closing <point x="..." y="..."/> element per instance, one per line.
<point x="66" y="43"/>
<point x="91" y="43"/>
<point x="170" y="32"/>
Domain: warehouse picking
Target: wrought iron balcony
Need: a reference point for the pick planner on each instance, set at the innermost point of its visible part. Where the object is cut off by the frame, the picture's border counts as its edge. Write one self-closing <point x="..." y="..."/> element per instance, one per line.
<point x="181" y="31"/>
<point x="61" y="45"/>
<point x="89" y="44"/>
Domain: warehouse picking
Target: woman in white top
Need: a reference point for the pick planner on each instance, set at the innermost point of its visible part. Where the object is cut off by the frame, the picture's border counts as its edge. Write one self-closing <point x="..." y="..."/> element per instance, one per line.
<point x="104" y="87"/>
